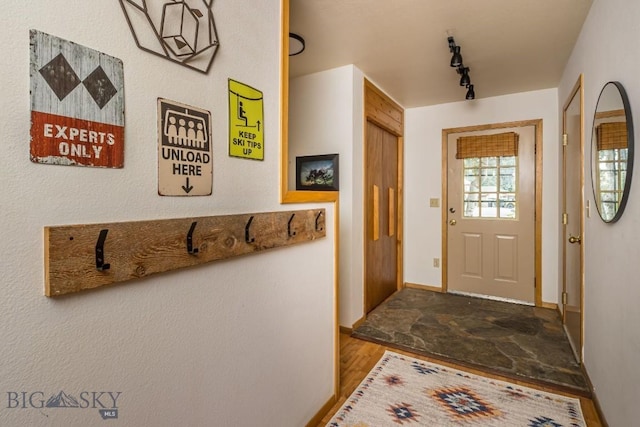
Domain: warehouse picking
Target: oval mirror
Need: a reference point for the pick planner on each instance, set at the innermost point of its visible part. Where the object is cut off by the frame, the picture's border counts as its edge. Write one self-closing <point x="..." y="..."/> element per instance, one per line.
<point x="612" y="152"/>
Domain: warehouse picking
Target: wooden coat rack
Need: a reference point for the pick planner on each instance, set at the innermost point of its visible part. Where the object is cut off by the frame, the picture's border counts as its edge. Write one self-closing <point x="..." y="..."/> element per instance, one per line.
<point x="80" y="257"/>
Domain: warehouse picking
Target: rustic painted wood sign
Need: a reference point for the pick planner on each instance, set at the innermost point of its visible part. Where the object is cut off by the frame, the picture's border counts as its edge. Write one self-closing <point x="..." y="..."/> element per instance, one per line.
<point x="185" y="161"/>
<point x="77" y="104"/>
<point x="246" y="121"/>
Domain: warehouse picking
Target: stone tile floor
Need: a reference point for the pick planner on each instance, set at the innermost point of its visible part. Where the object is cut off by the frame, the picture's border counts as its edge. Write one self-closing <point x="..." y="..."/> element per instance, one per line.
<point x="509" y="339"/>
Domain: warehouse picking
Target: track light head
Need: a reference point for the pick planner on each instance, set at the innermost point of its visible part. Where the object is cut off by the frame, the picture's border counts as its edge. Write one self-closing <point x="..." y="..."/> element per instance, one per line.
<point x="471" y="94"/>
<point x="464" y="80"/>
<point x="456" y="58"/>
<point x="452" y="43"/>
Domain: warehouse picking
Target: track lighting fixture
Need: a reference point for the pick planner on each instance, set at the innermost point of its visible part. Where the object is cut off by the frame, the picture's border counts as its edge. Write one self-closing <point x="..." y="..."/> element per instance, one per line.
<point x="456" y="58"/>
<point x="464" y="80"/>
<point x="471" y="94"/>
<point x="456" y="61"/>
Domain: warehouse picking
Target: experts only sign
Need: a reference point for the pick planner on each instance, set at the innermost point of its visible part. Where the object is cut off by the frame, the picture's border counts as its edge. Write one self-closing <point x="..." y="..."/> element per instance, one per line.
<point x="185" y="163"/>
<point x="77" y="104"/>
<point x="246" y="121"/>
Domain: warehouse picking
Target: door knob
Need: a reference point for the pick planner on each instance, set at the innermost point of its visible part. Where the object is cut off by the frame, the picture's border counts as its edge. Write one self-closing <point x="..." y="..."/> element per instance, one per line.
<point x="575" y="239"/>
<point x="453" y="222"/>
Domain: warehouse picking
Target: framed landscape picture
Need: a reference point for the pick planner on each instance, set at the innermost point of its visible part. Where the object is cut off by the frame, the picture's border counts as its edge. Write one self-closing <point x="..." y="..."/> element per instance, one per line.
<point x="317" y="173"/>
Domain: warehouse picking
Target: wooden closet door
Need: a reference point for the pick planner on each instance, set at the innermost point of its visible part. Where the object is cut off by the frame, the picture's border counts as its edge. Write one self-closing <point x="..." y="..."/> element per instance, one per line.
<point x="381" y="213"/>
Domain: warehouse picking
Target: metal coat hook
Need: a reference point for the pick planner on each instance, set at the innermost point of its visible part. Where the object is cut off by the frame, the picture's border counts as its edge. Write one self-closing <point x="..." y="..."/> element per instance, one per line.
<point x="291" y="233"/>
<point x="100" y="264"/>
<point x="190" y="248"/>
<point x="318" y="227"/>
<point x="247" y="236"/>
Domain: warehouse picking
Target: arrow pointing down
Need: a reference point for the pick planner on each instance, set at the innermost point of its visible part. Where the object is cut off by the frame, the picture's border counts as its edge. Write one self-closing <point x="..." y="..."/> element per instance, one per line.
<point x="187" y="189"/>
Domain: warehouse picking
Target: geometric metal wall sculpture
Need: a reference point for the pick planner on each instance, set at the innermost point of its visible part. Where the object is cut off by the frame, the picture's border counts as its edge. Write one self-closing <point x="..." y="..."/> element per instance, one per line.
<point x="182" y="31"/>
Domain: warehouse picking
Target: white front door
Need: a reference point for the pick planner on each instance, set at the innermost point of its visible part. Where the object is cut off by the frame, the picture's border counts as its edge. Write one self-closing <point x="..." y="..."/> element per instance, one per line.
<point x="491" y="217"/>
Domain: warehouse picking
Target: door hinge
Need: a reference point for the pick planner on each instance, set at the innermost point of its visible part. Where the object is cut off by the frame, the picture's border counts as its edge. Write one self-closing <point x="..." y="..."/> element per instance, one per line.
<point x="564" y="298"/>
<point x="565" y="139"/>
<point x="565" y="218"/>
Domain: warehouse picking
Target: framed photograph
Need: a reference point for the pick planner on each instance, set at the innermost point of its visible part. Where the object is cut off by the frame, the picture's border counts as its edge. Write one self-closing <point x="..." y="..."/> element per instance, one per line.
<point x="317" y="173"/>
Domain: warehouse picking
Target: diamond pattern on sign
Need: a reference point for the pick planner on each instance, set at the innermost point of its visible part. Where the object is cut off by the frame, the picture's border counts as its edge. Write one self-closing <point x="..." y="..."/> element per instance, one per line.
<point x="60" y="76"/>
<point x="100" y="87"/>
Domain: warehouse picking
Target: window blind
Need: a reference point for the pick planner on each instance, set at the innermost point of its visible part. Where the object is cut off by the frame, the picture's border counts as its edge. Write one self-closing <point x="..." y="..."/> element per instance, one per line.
<point x="611" y="135"/>
<point x="496" y="145"/>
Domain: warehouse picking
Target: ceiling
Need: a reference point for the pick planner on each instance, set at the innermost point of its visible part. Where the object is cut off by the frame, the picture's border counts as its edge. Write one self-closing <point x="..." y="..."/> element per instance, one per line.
<point x="510" y="46"/>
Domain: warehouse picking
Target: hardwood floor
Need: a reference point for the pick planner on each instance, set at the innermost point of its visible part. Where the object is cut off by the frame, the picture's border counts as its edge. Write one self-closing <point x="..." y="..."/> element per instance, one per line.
<point x="358" y="357"/>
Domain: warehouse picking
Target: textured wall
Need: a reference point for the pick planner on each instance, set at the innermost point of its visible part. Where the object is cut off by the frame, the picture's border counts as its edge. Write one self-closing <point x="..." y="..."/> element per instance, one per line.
<point x="242" y="342"/>
<point x="423" y="180"/>
<point x="326" y="116"/>
<point x="324" y="119"/>
<point x="603" y="53"/>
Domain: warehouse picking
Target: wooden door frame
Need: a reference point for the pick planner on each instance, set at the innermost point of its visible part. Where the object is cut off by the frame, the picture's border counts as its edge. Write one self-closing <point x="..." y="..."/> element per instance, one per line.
<point x="288" y="196"/>
<point x="388" y="115"/>
<point x="578" y="88"/>
<point x="538" y="197"/>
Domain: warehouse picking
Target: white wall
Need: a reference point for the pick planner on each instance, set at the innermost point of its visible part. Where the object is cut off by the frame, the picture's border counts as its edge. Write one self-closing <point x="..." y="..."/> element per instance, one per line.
<point x="325" y="117"/>
<point x="423" y="169"/>
<point x="605" y="51"/>
<point x="242" y="342"/>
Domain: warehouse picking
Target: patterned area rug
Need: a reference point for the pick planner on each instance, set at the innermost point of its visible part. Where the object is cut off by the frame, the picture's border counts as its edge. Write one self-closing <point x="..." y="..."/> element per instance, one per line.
<point x="401" y="390"/>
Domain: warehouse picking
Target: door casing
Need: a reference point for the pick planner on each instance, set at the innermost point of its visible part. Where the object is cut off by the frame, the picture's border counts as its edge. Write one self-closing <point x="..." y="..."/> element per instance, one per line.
<point x="571" y="219"/>
<point x="537" y="123"/>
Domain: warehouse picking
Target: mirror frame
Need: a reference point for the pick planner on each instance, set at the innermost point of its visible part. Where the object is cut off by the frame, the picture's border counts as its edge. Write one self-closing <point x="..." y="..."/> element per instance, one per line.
<point x="288" y="195"/>
<point x="630" y="154"/>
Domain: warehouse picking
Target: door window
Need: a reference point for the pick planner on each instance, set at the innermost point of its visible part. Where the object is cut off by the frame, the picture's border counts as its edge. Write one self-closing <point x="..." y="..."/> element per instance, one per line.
<point x="490" y="187"/>
<point x="612" y="173"/>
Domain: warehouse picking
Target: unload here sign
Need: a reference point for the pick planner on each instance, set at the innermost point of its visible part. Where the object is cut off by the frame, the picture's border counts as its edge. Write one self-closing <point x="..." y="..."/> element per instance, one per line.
<point x="185" y="164"/>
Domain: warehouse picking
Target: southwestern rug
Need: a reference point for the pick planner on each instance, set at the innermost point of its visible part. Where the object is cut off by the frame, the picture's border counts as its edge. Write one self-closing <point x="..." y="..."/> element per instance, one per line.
<point x="403" y="390"/>
<point x="518" y="341"/>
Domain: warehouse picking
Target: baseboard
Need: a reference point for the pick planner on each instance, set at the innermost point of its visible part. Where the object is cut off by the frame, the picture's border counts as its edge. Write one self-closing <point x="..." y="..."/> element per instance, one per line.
<point x="317" y="418"/>
<point x="551" y="305"/>
<point x="594" y="396"/>
<point x="358" y="322"/>
<point x="345" y="330"/>
<point x="423" y="287"/>
<point x="349" y="330"/>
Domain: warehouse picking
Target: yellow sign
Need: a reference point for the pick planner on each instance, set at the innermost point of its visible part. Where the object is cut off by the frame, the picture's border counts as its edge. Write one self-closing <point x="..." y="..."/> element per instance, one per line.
<point x="246" y="121"/>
